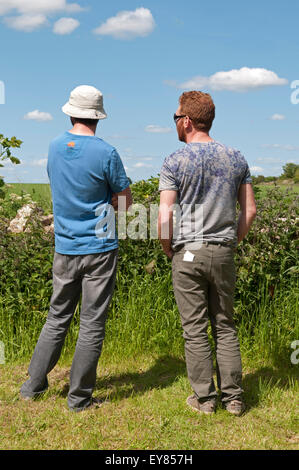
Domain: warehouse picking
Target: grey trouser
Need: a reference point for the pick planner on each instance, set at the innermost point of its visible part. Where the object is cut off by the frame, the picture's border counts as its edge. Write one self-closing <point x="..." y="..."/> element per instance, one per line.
<point x="204" y="290"/>
<point x="94" y="276"/>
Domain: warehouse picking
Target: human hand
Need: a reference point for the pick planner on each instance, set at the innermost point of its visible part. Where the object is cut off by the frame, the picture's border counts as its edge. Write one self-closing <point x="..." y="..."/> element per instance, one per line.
<point x="114" y="201"/>
<point x="169" y="254"/>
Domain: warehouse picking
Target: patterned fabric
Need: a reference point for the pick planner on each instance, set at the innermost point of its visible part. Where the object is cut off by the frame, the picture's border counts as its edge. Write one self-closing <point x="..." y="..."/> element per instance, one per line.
<point x="207" y="177"/>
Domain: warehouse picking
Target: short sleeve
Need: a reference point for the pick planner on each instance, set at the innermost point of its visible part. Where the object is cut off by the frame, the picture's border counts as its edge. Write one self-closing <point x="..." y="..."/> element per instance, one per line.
<point x="247" y="176"/>
<point x="115" y="173"/>
<point x="167" y="180"/>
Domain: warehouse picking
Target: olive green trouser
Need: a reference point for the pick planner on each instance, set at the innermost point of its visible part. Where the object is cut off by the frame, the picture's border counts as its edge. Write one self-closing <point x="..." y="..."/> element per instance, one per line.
<point x="204" y="290"/>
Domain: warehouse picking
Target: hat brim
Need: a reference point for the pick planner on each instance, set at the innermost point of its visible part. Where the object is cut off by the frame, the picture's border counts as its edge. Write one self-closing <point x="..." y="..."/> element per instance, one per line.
<point x="75" y="112"/>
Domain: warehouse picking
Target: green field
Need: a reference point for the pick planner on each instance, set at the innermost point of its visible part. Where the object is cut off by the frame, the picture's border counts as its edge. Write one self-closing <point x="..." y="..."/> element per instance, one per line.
<point x="40" y="193"/>
<point x="291" y="188"/>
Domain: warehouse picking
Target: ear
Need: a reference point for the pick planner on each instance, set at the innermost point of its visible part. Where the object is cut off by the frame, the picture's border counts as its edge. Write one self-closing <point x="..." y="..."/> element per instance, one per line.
<point x="187" y="122"/>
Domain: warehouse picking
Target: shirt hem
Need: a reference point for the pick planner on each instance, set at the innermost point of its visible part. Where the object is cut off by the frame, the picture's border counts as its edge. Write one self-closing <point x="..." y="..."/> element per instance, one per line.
<point x="91" y="252"/>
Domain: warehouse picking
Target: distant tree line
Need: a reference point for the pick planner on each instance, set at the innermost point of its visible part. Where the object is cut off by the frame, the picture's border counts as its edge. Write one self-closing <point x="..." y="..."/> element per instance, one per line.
<point x="290" y="171"/>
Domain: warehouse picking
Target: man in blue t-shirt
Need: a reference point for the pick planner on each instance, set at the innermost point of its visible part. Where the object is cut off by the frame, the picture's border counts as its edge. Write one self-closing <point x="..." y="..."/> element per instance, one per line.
<point x="86" y="177"/>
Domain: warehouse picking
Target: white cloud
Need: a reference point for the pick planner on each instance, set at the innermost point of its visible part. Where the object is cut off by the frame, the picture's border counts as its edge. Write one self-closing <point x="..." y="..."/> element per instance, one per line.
<point x="8" y="164"/>
<point x="38" y="116"/>
<point x="256" y="169"/>
<point x="142" y="165"/>
<point x="7" y="169"/>
<point x="32" y="14"/>
<point x="65" y="26"/>
<point x="37" y="6"/>
<point x="26" y="23"/>
<point x="269" y="160"/>
<point x="277" y="117"/>
<point x="118" y="136"/>
<point x="277" y="160"/>
<point x="128" y="24"/>
<point x="241" y="80"/>
<point x="74" y="8"/>
<point x="281" y="147"/>
<point x="157" y="129"/>
<point x="41" y="162"/>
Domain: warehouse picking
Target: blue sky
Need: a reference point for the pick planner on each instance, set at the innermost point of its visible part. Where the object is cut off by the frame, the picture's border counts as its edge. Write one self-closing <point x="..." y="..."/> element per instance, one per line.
<point x="142" y="60"/>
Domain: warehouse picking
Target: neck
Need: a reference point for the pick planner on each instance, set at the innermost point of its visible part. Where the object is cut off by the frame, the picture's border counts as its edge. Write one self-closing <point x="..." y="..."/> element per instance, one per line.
<point x="198" y="136"/>
<point x="81" y="129"/>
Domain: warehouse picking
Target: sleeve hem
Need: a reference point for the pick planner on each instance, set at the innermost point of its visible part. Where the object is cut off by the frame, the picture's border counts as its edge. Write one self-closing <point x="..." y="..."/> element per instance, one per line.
<point x="168" y="189"/>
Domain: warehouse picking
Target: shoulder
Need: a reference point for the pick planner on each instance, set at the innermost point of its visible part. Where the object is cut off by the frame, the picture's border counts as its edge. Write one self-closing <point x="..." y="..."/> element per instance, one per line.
<point x="58" y="139"/>
<point x="175" y="158"/>
<point x="235" y="154"/>
<point x="180" y="153"/>
<point x="109" y="153"/>
<point x="104" y="145"/>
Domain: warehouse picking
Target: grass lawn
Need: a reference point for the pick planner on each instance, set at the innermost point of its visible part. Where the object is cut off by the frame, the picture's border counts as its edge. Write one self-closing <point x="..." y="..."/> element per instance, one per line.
<point x="146" y="409"/>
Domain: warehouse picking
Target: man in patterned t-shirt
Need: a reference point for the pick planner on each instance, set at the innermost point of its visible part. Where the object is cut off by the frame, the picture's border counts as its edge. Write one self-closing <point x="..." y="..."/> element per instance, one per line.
<point x="200" y="185"/>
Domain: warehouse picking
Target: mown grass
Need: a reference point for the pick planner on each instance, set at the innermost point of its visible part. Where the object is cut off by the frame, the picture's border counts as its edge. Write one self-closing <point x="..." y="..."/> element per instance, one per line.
<point x="146" y="409"/>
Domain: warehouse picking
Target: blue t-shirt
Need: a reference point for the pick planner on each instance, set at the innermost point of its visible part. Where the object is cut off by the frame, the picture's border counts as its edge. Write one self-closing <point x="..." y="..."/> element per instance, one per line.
<point x="84" y="172"/>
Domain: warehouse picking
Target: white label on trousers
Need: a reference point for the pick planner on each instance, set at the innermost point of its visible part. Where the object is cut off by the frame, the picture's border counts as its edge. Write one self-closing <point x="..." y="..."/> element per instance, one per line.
<point x="188" y="256"/>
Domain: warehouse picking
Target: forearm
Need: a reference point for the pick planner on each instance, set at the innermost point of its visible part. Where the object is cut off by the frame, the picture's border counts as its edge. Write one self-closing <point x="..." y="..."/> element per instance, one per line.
<point x="165" y="220"/>
<point x="166" y="246"/>
<point x="122" y="201"/>
<point x="165" y="233"/>
<point x="244" y="223"/>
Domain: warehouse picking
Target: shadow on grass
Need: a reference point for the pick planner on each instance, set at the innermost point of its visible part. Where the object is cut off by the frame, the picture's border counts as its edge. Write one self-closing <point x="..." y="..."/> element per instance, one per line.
<point x="163" y="373"/>
<point x="257" y="386"/>
<point x="262" y="382"/>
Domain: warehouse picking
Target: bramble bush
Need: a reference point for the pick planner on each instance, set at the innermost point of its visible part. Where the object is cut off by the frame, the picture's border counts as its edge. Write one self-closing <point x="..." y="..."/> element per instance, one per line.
<point x="143" y="313"/>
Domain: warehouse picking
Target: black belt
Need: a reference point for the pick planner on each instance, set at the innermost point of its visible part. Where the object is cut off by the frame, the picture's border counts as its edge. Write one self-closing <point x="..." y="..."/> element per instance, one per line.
<point x="217" y="243"/>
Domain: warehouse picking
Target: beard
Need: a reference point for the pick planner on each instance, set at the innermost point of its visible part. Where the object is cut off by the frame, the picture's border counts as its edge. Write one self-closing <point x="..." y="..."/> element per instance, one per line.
<point x="181" y="133"/>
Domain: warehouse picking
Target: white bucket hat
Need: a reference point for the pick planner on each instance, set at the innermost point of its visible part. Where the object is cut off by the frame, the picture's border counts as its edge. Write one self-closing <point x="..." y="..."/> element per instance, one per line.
<point x="85" y="102"/>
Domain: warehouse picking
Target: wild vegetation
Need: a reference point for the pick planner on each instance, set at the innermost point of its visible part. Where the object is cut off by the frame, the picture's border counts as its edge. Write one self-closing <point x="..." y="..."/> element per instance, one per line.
<point x="143" y="315"/>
